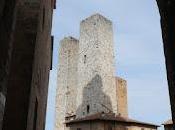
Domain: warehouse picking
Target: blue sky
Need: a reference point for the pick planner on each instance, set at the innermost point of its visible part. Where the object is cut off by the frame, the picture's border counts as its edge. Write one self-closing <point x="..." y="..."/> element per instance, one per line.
<point x="138" y="49"/>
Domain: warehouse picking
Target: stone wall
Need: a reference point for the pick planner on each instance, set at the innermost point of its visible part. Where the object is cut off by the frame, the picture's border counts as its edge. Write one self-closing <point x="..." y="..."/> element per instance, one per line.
<point x="67" y="81"/>
<point x="29" y="66"/>
<point x="122" y="103"/>
<point x="167" y="13"/>
<point x="96" y="82"/>
<point x="7" y="22"/>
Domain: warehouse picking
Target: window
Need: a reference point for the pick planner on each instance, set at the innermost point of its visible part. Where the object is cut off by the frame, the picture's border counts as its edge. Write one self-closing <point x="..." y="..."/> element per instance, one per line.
<point x="43" y="22"/>
<point x="88" y="107"/>
<point x="85" y="59"/>
<point x="52" y="41"/>
<point x="35" y="115"/>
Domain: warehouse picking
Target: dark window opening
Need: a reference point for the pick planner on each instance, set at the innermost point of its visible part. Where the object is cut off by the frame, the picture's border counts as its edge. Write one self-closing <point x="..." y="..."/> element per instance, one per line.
<point x="35" y="115"/>
<point x="85" y="58"/>
<point x="43" y="23"/>
<point x="52" y="42"/>
<point x="88" y="107"/>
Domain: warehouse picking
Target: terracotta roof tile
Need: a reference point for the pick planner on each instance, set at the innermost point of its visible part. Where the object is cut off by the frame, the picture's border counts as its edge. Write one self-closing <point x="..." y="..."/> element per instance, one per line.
<point x="109" y="117"/>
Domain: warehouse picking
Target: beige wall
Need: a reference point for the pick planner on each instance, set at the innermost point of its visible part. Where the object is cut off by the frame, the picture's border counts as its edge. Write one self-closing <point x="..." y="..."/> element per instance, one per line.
<point x="122" y="104"/>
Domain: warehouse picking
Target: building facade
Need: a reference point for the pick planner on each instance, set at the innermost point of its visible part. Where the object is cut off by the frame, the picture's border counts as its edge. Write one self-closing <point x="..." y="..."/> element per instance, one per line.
<point x="96" y="68"/>
<point x="26" y="62"/>
<point x="67" y="81"/>
<point x="122" y="100"/>
<point x="102" y="121"/>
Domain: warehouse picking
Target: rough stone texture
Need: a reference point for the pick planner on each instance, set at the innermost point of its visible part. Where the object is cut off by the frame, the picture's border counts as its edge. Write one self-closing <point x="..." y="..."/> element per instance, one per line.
<point x="167" y="13"/>
<point x="122" y="102"/>
<point x="7" y="21"/>
<point x="29" y="65"/>
<point x="96" y="82"/>
<point x="67" y="81"/>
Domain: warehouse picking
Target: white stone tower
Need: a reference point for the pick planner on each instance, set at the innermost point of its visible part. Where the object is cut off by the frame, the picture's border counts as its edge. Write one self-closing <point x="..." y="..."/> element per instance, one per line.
<point x="96" y="67"/>
<point x="67" y="81"/>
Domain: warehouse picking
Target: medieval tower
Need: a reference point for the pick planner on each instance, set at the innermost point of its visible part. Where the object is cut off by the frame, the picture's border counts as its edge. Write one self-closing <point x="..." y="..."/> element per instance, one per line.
<point x="67" y="81"/>
<point x="89" y="95"/>
<point x="96" y="82"/>
<point x="86" y="80"/>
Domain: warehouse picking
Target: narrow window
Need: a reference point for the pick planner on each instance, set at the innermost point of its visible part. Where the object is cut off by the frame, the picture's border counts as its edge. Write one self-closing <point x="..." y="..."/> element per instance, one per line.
<point x="43" y="23"/>
<point x="51" y="53"/>
<point x="35" y="115"/>
<point x="85" y="58"/>
<point x="88" y="107"/>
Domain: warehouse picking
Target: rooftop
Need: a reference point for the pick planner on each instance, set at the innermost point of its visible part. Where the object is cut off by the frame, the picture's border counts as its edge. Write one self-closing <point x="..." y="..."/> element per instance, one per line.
<point x="109" y="117"/>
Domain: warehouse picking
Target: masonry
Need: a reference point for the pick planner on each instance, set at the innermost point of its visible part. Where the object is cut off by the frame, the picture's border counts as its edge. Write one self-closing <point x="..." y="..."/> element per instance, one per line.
<point x="25" y="63"/>
<point x="89" y="95"/>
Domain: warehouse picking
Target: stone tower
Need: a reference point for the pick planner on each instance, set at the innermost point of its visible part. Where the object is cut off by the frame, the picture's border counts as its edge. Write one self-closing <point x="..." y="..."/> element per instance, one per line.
<point x="67" y="81"/>
<point x="121" y="93"/>
<point x="96" y="81"/>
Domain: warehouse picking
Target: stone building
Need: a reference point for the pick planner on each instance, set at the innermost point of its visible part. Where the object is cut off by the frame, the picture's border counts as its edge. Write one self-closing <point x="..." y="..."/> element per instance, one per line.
<point x="89" y="96"/>
<point x="26" y="53"/>
<point x="67" y="80"/>
<point x="122" y="101"/>
<point x="168" y="125"/>
<point x="102" y="121"/>
<point x="96" y="67"/>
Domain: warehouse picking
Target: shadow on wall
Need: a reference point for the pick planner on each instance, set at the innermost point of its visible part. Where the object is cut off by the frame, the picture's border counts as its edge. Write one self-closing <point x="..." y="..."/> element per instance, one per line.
<point x="94" y="99"/>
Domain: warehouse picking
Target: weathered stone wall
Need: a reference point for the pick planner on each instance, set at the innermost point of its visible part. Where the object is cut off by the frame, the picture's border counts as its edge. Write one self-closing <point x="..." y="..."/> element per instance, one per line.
<point x="41" y="68"/>
<point x="67" y="81"/>
<point x="122" y="104"/>
<point x="7" y="22"/>
<point x="96" y="82"/>
<point x="29" y="66"/>
<point x="167" y="13"/>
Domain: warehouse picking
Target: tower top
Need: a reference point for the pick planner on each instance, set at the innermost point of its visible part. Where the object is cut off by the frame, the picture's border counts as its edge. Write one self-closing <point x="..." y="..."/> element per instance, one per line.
<point x="96" y="17"/>
<point x="69" y="38"/>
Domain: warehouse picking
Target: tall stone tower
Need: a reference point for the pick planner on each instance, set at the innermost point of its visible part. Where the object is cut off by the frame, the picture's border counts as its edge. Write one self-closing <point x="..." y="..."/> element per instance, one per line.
<point x="96" y="81"/>
<point x="67" y="81"/>
<point x="122" y="101"/>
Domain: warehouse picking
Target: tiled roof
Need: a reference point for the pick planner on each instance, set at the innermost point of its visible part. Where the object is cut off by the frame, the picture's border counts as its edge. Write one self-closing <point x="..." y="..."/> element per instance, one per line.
<point x="109" y="117"/>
